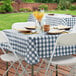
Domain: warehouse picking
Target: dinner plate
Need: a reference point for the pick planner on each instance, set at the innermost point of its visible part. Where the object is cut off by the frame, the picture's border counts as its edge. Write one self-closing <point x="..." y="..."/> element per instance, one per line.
<point x="61" y="27"/>
<point x="53" y="32"/>
<point x="29" y="32"/>
<point x="31" y="27"/>
<point x="23" y="30"/>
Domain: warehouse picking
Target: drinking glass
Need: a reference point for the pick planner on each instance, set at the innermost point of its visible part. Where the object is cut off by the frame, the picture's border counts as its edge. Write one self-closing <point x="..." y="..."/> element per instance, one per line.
<point x="38" y="15"/>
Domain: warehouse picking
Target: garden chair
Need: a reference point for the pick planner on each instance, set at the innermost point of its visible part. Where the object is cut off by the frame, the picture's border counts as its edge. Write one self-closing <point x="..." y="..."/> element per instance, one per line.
<point x="11" y="57"/>
<point x="62" y="40"/>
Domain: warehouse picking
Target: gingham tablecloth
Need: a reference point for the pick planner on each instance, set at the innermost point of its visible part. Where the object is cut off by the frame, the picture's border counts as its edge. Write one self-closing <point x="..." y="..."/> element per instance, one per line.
<point x="55" y="21"/>
<point x="36" y="46"/>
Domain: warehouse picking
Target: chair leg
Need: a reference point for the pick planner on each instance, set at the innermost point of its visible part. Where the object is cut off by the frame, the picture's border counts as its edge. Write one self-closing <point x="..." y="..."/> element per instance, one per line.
<point x="47" y="69"/>
<point x="56" y="70"/>
<point x="8" y="69"/>
<point x="24" y="71"/>
<point x="51" y="72"/>
<point x="40" y="66"/>
<point x="16" y="70"/>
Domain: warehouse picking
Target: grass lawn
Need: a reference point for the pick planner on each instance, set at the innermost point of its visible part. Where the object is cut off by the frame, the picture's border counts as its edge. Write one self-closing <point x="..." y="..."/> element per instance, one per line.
<point x="6" y="20"/>
<point x="63" y="12"/>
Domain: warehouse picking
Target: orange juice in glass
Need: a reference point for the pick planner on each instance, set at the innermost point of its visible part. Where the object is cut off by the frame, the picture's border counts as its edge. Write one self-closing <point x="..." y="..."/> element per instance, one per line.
<point x="38" y="15"/>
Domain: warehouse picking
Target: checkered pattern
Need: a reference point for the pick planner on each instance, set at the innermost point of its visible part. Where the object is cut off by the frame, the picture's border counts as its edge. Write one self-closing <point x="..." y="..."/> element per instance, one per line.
<point x="55" y="21"/>
<point x="31" y="18"/>
<point x="70" y="21"/>
<point x="36" y="46"/>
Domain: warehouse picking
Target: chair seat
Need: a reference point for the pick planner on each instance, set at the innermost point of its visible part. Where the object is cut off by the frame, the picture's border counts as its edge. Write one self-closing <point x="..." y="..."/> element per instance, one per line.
<point x="64" y="60"/>
<point x="10" y="57"/>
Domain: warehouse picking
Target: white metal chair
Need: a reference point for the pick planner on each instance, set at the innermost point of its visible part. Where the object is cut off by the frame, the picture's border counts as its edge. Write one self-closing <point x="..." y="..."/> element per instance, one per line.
<point x="74" y="29"/>
<point x="62" y="40"/>
<point x="11" y="57"/>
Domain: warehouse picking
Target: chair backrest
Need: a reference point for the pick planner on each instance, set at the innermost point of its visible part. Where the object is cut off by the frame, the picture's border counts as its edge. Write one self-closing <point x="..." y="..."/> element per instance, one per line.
<point x="64" y="40"/>
<point x="74" y="29"/>
<point x="3" y="37"/>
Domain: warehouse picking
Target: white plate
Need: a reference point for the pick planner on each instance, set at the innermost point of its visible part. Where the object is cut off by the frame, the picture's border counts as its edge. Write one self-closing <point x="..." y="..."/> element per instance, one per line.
<point x="53" y="31"/>
<point x="30" y="27"/>
<point x="23" y="30"/>
<point x="61" y="27"/>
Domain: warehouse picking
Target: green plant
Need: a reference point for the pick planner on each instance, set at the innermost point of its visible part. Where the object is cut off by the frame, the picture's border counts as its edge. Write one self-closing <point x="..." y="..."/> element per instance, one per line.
<point x="6" y="6"/>
<point x="22" y="9"/>
<point x="46" y="1"/>
<point x="67" y="4"/>
<point x="1" y="1"/>
<point x="1" y="10"/>
<point x="28" y="9"/>
<point x="25" y="10"/>
<point x="61" y="5"/>
<point x="72" y="7"/>
<point x="43" y="6"/>
<point x="28" y="1"/>
<point x="64" y="4"/>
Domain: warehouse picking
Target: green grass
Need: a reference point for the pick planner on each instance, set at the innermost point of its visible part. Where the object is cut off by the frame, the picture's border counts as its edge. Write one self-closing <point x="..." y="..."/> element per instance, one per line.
<point x="6" y="20"/>
<point x="63" y="12"/>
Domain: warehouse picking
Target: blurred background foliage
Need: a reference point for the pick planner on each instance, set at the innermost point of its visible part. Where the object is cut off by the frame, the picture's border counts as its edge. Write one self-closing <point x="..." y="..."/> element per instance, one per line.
<point x="41" y="1"/>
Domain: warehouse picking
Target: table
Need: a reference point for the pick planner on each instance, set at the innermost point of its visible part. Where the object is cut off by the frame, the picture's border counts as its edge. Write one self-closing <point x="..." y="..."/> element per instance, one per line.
<point x="36" y="46"/>
<point x="56" y="20"/>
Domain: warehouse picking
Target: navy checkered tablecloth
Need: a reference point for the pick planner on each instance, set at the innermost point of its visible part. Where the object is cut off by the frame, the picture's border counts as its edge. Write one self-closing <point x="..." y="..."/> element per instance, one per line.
<point x="69" y="21"/>
<point x="36" y="46"/>
<point x="54" y="20"/>
<point x="31" y="18"/>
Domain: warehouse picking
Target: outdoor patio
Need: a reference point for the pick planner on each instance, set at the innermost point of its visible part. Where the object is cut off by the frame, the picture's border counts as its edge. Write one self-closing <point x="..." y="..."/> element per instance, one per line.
<point x="41" y="73"/>
<point x="36" y="30"/>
